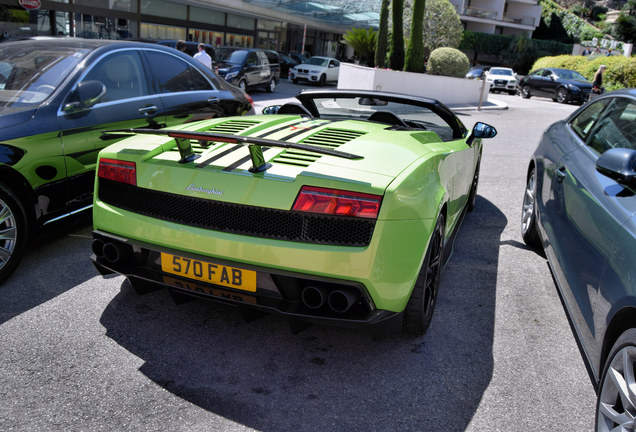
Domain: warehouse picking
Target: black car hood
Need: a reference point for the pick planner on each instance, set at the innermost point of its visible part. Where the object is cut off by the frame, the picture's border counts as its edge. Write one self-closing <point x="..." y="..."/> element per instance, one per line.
<point x="11" y="116"/>
<point x="228" y="67"/>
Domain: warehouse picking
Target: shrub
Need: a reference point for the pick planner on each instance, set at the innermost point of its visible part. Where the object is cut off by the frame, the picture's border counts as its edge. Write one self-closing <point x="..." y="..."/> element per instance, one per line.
<point x="620" y="72"/>
<point x="448" y="62"/>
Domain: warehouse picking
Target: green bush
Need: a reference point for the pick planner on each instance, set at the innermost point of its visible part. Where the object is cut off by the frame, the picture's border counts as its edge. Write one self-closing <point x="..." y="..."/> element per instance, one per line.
<point x="448" y="62"/>
<point x="620" y="72"/>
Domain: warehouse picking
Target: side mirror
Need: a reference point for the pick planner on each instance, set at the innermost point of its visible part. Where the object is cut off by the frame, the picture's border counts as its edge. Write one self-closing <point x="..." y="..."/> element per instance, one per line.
<point x="619" y="164"/>
<point x="481" y="130"/>
<point x="272" y="109"/>
<point x="85" y="95"/>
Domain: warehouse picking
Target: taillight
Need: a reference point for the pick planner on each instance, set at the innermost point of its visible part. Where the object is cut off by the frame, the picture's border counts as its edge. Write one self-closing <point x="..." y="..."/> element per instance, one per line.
<point x="337" y="202"/>
<point x="118" y="170"/>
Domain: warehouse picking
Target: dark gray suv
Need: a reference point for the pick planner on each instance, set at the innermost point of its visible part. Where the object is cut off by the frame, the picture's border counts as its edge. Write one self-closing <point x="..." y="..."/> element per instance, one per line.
<point x="249" y="68"/>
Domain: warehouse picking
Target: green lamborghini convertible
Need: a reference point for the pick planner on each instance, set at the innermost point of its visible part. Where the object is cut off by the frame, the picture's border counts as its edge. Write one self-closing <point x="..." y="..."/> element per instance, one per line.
<point x="338" y="209"/>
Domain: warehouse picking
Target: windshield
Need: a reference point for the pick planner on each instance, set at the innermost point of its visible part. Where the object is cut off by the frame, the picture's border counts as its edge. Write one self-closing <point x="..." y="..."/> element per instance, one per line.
<point x="28" y="77"/>
<point x="569" y="74"/>
<point x="412" y="116"/>
<point x="317" y="61"/>
<point x="234" y="57"/>
<point x="501" y="72"/>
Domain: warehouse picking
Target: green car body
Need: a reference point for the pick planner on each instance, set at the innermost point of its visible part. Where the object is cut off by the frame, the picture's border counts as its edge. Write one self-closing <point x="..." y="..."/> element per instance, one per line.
<point x="415" y="175"/>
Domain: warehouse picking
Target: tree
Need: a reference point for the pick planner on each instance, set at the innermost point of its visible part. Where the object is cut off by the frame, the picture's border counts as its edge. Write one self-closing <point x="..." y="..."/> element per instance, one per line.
<point x="396" y="61"/>
<point x="415" y="52"/>
<point x="363" y="42"/>
<point x="441" y="25"/>
<point x="556" y="29"/>
<point x="383" y="33"/>
<point x="625" y="28"/>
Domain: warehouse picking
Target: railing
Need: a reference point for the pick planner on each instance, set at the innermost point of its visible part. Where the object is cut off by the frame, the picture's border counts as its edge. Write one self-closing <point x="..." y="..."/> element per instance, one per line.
<point x="523" y="20"/>
<point x="480" y="13"/>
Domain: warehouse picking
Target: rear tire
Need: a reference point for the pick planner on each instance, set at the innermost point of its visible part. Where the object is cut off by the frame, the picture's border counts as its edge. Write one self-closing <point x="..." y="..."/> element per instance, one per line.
<point x="419" y="309"/>
<point x="13" y="232"/>
<point x="529" y="231"/>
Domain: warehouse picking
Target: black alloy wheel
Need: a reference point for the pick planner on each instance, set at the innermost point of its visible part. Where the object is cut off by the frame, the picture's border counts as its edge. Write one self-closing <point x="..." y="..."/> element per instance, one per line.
<point x="419" y="309"/>
<point x="525" y="92"/>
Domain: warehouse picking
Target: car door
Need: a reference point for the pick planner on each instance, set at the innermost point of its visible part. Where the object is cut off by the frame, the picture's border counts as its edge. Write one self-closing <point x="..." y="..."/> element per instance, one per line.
<point x="333" y="70"/>
<point x="252" y="69"/>
<point x="534" y="81"/>
<point x="587" y="214"/>
<point x="265" y="70"/>
<point x="127" y="103"/>
<point x="185" y="91"/>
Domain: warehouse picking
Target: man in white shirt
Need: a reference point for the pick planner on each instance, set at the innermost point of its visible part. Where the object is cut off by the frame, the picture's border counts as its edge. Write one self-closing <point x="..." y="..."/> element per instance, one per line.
<point x="203" y="57"/>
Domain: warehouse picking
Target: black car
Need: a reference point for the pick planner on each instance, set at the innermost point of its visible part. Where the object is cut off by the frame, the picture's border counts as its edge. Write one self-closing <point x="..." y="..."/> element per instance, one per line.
<point x="562" y="85"/>
<point x="249" y="68"/>
<point x="286" y="63"/>
<point x="59" y="95"/>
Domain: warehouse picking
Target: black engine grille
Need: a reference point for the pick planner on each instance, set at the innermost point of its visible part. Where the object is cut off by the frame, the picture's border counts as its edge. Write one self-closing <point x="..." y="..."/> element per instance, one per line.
<point x="237" y="218"/>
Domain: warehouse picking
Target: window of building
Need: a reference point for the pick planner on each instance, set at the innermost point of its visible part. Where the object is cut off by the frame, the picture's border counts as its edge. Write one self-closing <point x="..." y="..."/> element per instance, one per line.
<point x="165" y="8"/>
<point x="207" y="16"/>
<point x="158" y="31"/>
<point x="241" y="22"/>
<point x="238" y="40"/>
<point x="206" y="36"/>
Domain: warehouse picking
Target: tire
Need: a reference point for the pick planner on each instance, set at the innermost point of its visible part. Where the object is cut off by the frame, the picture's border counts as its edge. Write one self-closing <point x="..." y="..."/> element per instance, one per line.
<point x="271" y="86"/>
<point x="419" y="309"/>
<point x="13" y="232"/>
<point x="616" y="405"/>
<point x="529" y="231"/>
<point x="562" y="95"/>
<point x="242" y="85"/>
<point x="525" y="92"/>
<point x="472" y="197"/>
<point x="322" y="80"/>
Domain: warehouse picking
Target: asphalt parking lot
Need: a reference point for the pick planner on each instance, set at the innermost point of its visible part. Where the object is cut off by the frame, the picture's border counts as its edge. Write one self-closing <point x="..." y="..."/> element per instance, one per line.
<point x="84" y="353"/>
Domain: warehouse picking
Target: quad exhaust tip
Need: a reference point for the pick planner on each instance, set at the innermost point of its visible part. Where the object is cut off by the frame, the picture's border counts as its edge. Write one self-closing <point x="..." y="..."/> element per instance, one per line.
<point x="339" y="301"/>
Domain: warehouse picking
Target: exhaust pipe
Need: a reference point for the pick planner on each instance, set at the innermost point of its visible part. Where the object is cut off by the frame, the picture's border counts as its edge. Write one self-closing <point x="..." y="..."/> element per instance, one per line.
<point x="340" y="301"/>
<point x="111" y="253"/>
<point x="313" y="297"/>
<point x="98" y="248"/>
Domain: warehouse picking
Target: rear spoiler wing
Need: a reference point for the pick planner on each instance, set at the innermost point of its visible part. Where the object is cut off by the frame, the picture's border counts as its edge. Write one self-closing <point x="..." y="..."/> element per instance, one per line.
<point x="182" y="139"/>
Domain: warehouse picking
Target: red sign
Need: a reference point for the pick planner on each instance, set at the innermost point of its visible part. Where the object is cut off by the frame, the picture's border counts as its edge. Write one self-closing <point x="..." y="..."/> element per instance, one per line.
<point x="30" y="4"/>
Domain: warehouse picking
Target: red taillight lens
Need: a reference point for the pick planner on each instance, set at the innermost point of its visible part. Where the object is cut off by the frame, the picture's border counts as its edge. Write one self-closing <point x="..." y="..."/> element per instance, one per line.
<point x="118" y="170"/>
<point x="337" y="202"/>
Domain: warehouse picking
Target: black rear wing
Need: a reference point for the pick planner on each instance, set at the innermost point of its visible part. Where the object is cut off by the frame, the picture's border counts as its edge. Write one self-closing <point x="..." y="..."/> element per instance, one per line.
<point x="182" y="139"/>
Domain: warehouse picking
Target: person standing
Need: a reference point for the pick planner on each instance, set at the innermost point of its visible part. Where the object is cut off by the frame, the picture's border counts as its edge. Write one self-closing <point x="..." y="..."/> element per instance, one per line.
<point x="597" y="83"/>
<point x="203" y="57"/>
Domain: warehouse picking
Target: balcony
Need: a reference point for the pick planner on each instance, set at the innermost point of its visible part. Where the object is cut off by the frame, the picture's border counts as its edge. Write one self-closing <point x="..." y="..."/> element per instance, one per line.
<point x="480" y="13"/>
<point x="521" y="20"/>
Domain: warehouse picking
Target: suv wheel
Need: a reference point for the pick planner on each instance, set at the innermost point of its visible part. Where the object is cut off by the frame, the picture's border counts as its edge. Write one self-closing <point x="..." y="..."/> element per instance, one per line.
<point x="323" y="80"/>
<point x="242" y="84"/>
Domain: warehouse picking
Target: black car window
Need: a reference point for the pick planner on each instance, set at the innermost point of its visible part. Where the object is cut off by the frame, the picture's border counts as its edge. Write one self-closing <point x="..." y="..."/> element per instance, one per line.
<point x="252" y="60"/>
<point x="123" y="75"/>
<point x="547" y="73"/>
<point x="175" y="75"/>
<point x="582" y="123"/>
<point x="616" y="127"/>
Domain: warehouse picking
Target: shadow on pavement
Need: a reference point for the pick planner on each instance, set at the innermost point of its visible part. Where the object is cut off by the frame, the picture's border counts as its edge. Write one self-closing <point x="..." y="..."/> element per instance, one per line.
<point x="260" y="375"/>
<point x="53" y="264"/>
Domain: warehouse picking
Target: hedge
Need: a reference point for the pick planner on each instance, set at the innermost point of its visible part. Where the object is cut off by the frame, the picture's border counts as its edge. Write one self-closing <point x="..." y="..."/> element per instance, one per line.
<point x="620" y="72"/>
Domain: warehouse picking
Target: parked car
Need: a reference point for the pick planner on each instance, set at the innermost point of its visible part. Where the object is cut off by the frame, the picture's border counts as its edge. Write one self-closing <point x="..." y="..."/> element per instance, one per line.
<point x="562" y="85"/>
<point x="300" y="58"/>
<point x="580" y="208"/>
<point x="318" y="212"/>
<point x="249" y="68"/>
<point x="502" y="79"/>
<point x="192" y="48"/>
<point x="316" y="69"/>
<point x="477" y="72"/>
<point x="286" y="63"/>
<point x="56" y="98"/>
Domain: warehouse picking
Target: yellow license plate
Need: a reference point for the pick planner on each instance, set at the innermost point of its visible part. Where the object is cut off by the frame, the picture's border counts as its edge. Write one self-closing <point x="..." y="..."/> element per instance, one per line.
<point x="203" y="271"/>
